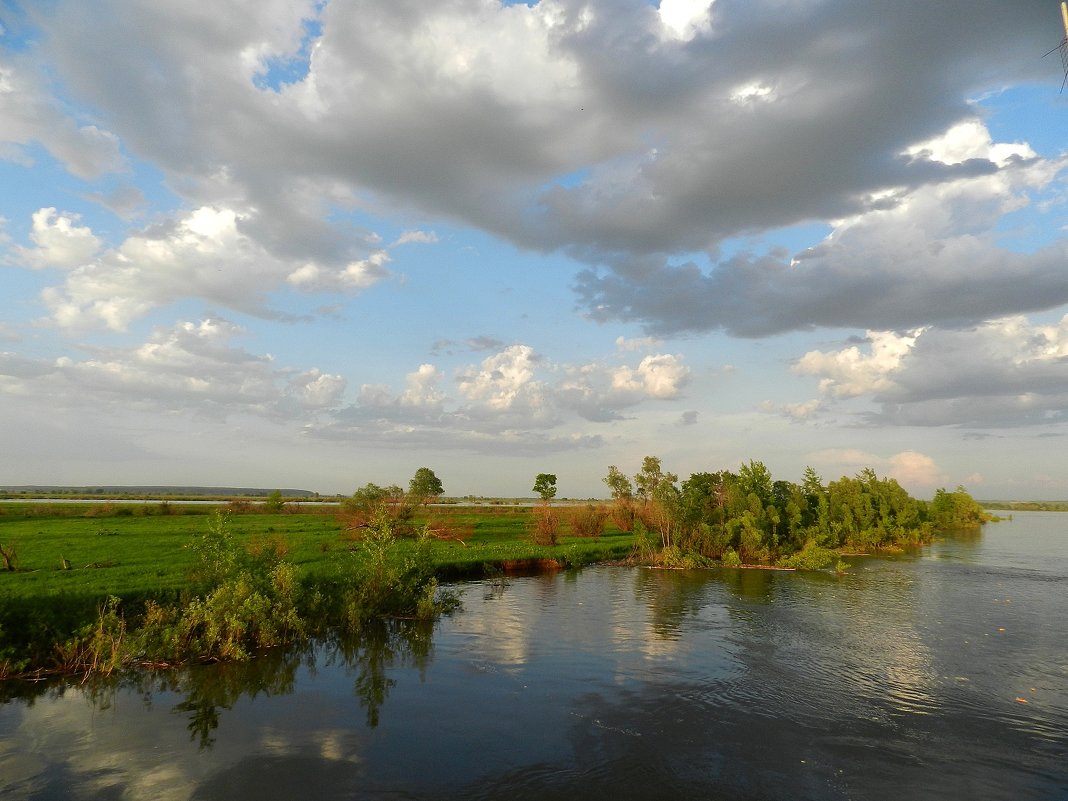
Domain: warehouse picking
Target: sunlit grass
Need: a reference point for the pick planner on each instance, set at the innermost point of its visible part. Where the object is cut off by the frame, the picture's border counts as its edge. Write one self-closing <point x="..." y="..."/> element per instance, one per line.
<point x="116" y="553"/>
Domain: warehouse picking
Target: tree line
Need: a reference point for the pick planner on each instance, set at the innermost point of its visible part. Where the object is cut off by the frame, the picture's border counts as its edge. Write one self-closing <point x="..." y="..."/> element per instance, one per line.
<point x="749" y="517"/>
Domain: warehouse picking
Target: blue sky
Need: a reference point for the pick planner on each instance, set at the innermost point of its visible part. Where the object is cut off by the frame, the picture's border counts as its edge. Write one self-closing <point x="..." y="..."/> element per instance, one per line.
<point x="317" y="244"/>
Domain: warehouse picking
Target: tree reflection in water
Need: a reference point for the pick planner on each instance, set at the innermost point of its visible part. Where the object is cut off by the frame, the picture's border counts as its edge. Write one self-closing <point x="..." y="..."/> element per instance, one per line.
<point x="208" y="691"/>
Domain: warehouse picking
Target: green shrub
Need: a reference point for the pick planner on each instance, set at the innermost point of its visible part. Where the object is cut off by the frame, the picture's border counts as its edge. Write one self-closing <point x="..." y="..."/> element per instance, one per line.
<point x="811" y="557"/>
<point x="731" y="558"/>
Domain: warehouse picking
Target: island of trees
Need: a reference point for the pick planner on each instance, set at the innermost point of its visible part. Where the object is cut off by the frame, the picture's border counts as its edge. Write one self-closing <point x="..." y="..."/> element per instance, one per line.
<point x="749" y="518"/>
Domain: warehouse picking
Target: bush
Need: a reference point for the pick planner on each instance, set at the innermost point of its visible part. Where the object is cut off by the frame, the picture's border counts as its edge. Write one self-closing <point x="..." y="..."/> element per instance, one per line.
<point x="545" y="526"/>
<point x="731" y="558"/>
<point x="811" y="557"/>
<point x="623" y="516"/>
<point x="588" y="520"/>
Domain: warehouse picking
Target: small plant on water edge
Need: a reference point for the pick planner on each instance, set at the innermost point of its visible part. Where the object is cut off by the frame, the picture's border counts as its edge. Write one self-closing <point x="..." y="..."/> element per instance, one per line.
<point x="674" y="557"/>
<point x="731" y="558"/>
<point x="811" y="557"/>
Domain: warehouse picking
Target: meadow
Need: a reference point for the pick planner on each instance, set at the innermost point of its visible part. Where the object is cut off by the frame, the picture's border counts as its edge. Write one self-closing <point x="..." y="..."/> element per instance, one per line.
<point x="69" y="567"/>
<point x="136" y="550"/>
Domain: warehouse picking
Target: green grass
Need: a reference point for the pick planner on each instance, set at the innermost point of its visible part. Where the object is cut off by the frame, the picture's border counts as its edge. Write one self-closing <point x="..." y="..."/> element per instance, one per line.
<point x="126" y="552"/>
<point x="55" y="612"/>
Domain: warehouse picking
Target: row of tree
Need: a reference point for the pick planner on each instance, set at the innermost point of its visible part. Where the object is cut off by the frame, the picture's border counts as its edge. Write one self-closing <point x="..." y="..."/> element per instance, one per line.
<point x="744" y="516"/>
<point x="750" y="517"/>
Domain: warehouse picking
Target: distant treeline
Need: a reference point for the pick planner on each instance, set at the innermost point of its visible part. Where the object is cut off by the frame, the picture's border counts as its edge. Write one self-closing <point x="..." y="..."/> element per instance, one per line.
<point x="1027" y="506"/>
<point x="119" y="492"/>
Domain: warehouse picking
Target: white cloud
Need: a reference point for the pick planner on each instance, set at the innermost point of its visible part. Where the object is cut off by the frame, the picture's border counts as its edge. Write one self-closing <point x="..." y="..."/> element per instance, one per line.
<point x="420" y="398"/>
<point x="192" y="366"/>
<point x="661" y="376"/>
<point x="60" y="241"/>
<point x="683" y="19"/>
<point x="915" y="469"/>
<point x="511" y="397"/>
<point x="624" y="344"/>
<point x="505" y="385"/>
<point x="1006" y="372"/>
<point x="910" y="468"/>
<point x="205" y="253"/>
<point x="966" y="140"/>
<point x="356" y="275"/>
<point x="850" y="372"/>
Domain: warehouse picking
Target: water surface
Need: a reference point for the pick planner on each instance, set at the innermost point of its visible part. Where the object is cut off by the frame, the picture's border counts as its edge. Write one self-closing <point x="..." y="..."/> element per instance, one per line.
<point x="941" y="674"/>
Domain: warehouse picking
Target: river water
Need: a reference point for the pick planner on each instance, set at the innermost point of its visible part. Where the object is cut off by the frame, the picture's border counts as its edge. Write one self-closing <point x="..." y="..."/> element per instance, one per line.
<point x="939" y="674"/>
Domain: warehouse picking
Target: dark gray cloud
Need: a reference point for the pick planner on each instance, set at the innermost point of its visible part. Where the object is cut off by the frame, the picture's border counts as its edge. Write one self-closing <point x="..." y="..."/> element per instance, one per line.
<point x="754" y="297"/>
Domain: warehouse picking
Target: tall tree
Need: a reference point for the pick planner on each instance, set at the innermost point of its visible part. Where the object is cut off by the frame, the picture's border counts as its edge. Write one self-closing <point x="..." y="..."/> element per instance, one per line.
<point x="425" y="486"/>
<point x="545" y="486"/>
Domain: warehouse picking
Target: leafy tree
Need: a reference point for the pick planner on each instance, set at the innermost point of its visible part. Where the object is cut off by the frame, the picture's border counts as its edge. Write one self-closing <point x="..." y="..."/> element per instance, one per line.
<point x="956" y="510"/>
<point x="618" y="484"/>
<point x="649" y="478"/>
<point x="425" y="485"/>
<point x="623" y="497"/>
<point x="274" y="502"/>
<point x="545" y="486"/>
<point x="371" y="501"/>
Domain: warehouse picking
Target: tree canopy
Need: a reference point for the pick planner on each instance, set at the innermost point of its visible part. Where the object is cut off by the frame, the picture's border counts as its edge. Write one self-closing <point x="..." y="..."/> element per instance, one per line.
<point x="545" y="486"/>
<point x="425" y="485"/>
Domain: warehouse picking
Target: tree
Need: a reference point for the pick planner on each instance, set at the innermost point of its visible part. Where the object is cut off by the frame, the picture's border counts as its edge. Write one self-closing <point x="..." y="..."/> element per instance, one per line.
<point x="623" y="495"/>
<point x="545" y="486"/>
<point x="275" y="502"/>
<point x="618" y="484"/>
<point x="371" y="501"/>
<point x="649" y="478"/>
<point x="425" y="485"/>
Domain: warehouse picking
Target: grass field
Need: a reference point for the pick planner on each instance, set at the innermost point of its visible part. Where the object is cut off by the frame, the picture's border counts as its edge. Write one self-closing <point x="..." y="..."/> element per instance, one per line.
<point x="62" y="563"/>
<point x="137" y="551"/>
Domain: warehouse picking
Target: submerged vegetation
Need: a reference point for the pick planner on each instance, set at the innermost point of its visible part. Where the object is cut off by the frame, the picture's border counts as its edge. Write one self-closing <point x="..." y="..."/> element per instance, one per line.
<point x="102" y="588"/>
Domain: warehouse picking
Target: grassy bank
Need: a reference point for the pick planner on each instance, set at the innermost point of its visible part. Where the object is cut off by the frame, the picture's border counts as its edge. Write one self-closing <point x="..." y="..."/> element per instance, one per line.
<point x="83" y="575"/>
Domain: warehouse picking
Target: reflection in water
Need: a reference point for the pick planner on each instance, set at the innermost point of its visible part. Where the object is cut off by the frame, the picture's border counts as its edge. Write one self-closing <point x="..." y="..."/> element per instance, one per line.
<point x="941" y="674"/>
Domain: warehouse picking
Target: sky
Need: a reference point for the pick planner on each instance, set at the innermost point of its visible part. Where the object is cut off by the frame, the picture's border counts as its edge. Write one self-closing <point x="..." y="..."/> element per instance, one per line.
<point x="321" y="243"/>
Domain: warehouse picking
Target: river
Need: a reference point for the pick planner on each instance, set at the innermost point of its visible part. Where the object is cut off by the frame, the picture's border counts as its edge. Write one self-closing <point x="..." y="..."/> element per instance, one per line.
<point x="939" y="674"/>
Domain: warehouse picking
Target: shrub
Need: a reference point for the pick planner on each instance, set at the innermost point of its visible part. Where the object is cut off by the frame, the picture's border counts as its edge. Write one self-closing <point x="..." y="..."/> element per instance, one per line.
<point x="545" y="526"/>
<point x="9" y="555"/>
<point x="588" y="520"/>
<point x="623" y="516"/>
<point x="731" y="558"/>
<point x="811" y="557"/>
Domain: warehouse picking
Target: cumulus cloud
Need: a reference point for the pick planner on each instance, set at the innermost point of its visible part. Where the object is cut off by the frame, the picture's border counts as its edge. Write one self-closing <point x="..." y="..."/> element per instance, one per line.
<point x="624" y="134"/>
<point x="59" y="241"/>
<point x="206" y="253"/>
<point x="1007" y="372"/>
<point x="191" y="366"/>
<point x="909" y="468"/>
<point x="513" y="397"/>
<point x="851" y="372"/>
